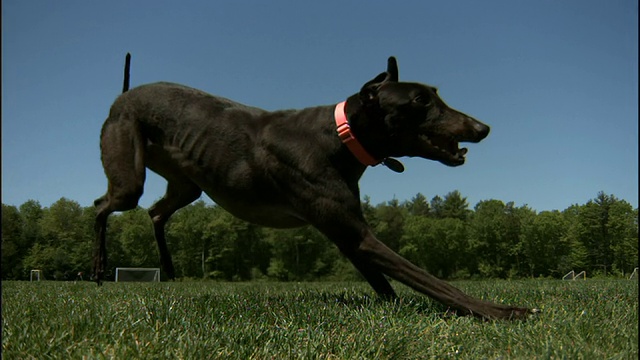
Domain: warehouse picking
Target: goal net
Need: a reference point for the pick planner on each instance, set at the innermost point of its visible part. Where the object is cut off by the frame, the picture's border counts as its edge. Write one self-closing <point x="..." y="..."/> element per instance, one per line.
<point x="138" y="274"/>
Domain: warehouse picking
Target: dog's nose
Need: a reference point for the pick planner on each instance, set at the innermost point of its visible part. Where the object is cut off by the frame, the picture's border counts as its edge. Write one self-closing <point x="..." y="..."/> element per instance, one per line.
<point x="482" y="130"/>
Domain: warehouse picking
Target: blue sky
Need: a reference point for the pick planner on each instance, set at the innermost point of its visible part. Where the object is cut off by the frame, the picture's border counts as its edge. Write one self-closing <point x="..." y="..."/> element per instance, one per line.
<point x="557" y="81"/>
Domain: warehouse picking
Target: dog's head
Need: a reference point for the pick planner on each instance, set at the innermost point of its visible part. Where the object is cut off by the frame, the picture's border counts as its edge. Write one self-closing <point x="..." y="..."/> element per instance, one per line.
<point x="416" y="120"/>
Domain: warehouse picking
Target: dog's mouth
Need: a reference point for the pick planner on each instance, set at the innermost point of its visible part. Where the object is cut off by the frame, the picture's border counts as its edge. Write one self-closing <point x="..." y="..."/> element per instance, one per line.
<point x="443" y="149"/>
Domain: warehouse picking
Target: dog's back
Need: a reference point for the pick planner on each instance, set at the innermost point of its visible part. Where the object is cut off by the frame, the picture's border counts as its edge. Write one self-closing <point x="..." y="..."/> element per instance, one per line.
<point x="164" y="101"/>
<point x="180" y="119"/>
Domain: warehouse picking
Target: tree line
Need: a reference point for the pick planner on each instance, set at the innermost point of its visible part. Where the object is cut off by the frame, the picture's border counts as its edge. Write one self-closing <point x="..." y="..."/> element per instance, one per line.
<point x="442" y="235"/>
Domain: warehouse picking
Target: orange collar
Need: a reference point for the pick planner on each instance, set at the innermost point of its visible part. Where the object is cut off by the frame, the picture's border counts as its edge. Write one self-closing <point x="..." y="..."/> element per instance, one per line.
<point x="349" y="139"/>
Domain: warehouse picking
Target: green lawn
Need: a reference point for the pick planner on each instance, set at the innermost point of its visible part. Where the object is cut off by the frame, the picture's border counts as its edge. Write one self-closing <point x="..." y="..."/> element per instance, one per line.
<point x="592" y="319"/>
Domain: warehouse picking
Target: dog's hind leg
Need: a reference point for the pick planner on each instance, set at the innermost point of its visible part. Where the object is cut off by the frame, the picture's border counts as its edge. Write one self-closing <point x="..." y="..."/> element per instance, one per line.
<point x="179" y="193"/>
<point x="122" y="147"/>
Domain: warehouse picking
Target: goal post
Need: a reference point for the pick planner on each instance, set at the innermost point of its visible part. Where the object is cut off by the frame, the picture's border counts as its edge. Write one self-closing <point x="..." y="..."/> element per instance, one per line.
<point x="634" y="274"/>
<point x="137" y="274"/>
<point x="35" y="275"/>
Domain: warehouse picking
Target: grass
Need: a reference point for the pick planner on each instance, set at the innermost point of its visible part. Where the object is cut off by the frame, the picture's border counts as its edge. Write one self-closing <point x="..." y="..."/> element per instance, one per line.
<point x="592" y="319"/>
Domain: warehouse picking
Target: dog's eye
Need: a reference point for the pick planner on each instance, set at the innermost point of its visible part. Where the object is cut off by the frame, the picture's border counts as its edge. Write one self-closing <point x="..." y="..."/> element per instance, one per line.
<point x="422" y="100"/>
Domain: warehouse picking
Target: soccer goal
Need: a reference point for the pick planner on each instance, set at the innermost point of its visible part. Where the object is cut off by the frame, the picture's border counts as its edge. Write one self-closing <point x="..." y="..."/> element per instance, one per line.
<point x="634" y="274"/>
<point x="570" y="275"/>
<point x="35" y="275"/>
<point x="138" y="274"/>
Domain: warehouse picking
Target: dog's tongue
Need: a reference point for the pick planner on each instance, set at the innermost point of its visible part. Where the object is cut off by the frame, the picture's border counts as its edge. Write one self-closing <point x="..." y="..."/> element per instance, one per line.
<point x="393" y="164"/>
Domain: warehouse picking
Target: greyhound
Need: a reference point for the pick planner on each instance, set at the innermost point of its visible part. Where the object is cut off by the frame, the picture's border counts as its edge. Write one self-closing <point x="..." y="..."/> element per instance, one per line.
<point x="286" y="168"/>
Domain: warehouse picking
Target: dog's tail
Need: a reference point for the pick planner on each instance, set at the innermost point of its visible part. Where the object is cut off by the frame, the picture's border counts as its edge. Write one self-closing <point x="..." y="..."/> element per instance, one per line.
<point x="127" y="67"/>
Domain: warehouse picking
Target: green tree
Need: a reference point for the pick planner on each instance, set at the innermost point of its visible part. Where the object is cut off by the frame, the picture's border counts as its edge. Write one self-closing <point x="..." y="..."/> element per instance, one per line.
<point x="300" y="254"/>
<point x="11" y="243"/>
<point x="437" y="245"/>
<point x="62" y="230"/>
<point x="418" y="205"/>
<point x="368" y="210"/>
<point x="623" y="230"/>
<point x="136" y="240"/>
<point x="595" y="236"/>
<point x="82" y="251"/>
<point x="31" y="213"/>
<point x="578" y="257"/>
<point x="45" y="258"/>
<point x="454" y="206"/>
<point x="544" y="243"/>
<point x="235" y="249"/>
<point x="189" y="240"/>
<point x="390" y="223"/>
<point x="512" y="224"/>
<point x="437" y="207"/>
<point x="488" y="239"/>
<point x="61" y="223"/>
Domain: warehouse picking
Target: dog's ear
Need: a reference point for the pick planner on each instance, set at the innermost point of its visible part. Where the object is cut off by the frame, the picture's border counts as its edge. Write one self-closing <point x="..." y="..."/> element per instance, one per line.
<point x="369" y="91"/>
<point x="392" y="69"/>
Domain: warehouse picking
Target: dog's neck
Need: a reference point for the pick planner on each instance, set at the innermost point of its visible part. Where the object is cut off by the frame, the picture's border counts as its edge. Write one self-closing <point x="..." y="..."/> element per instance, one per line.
<point x="357" y="149"/>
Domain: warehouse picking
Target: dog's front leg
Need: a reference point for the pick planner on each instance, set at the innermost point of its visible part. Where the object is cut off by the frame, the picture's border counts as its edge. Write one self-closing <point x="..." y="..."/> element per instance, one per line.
<point x="373" y="258"/>
<point x="397" y="267"/>
<point x="371" y="273"/>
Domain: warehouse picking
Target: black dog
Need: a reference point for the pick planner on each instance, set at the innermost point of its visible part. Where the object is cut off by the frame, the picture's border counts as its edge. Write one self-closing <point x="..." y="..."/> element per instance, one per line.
<point x="285" y="168"/>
